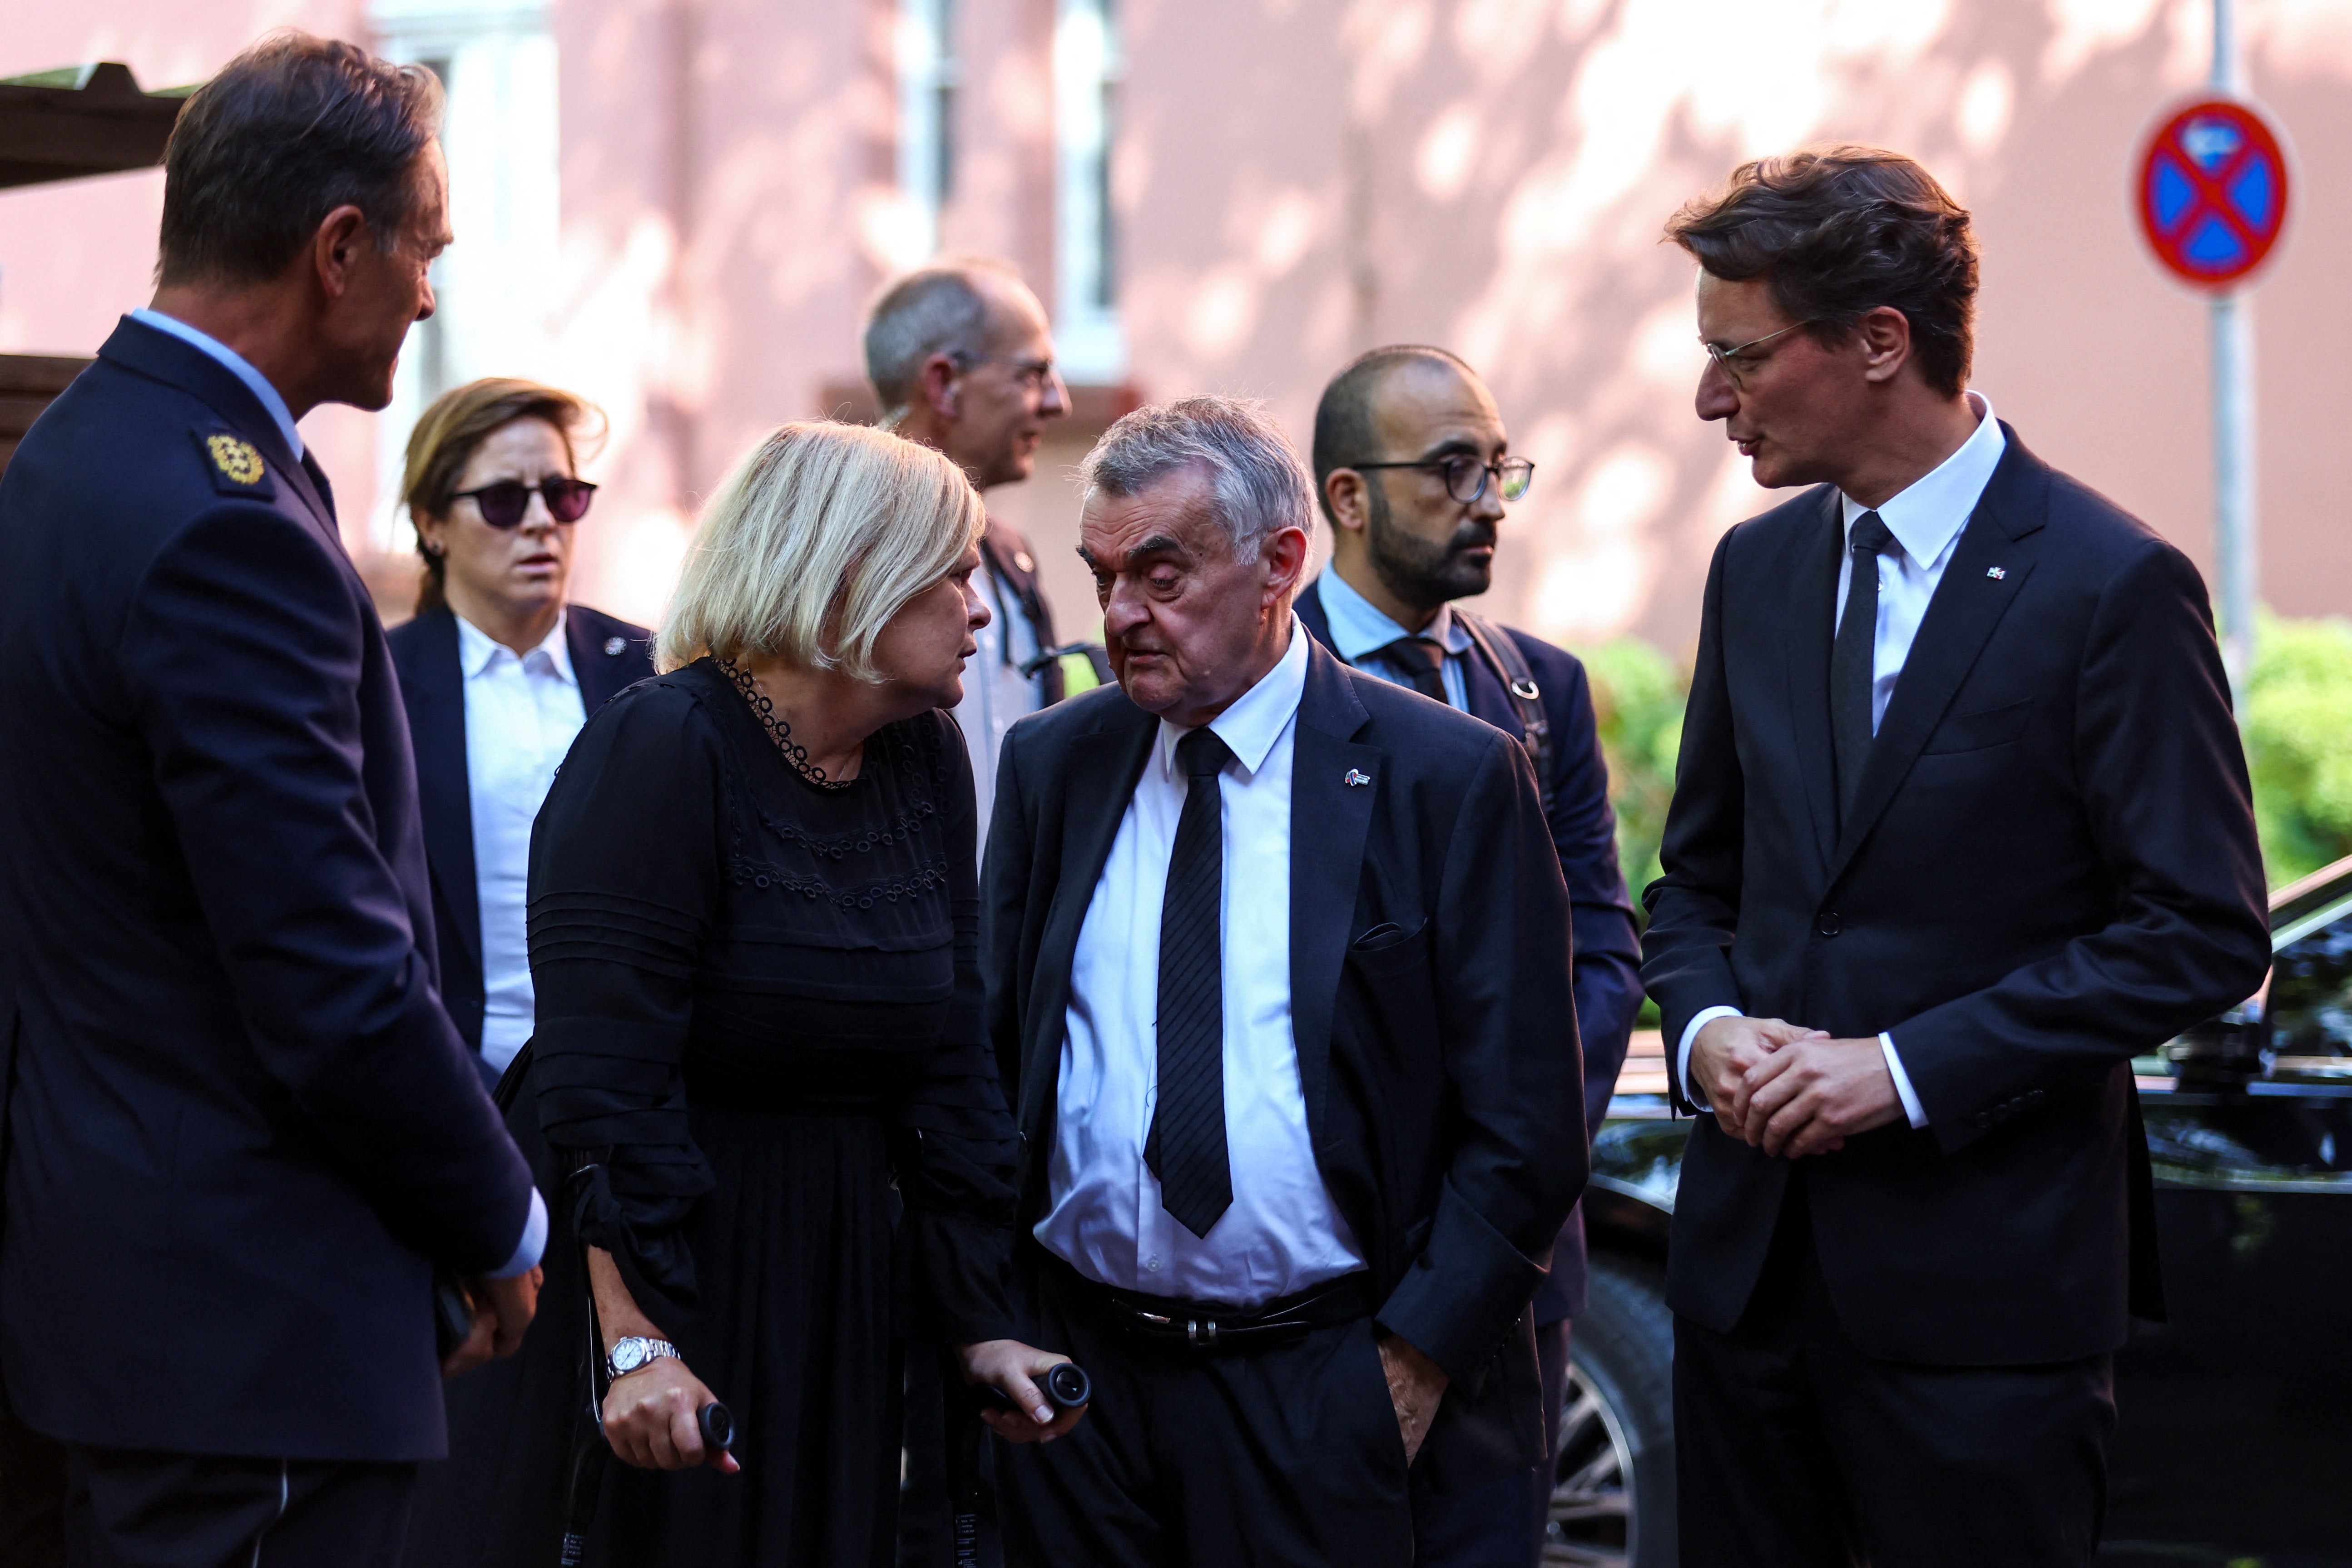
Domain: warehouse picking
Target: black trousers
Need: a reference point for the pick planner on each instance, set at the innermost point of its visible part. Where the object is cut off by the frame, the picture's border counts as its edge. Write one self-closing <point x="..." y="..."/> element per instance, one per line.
<point x="32" y="1496"/>
<point x="1794" y="1450"/>
<point x="126" y="1509"/>
<point x="1285" y="1456"/>
<point x="1502" y="1523"/>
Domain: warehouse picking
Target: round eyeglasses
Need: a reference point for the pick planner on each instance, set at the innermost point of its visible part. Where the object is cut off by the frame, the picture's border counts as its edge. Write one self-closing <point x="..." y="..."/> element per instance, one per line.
<point x="504" y="504"/>
<point x="1730" y="358"/>
<point x="1466" y="476"/>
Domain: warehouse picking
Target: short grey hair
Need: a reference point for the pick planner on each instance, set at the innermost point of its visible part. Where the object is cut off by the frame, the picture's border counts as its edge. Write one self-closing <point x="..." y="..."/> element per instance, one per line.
<point x="933" y="310"/>
<point x="1254" y="472"/>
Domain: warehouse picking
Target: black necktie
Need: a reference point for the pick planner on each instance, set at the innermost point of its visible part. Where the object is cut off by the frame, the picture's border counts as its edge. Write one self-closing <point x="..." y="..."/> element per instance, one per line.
<point x="1422" y="662"/>
<point x="1852" y="659"/>
<point x="1186" y="1149"/>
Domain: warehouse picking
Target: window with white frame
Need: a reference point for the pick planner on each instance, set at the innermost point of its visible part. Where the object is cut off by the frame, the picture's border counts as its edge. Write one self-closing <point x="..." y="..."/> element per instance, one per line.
<point x="927" y="102"/>
<point x="1087" y="68"/>
<point x="493" y="313"/>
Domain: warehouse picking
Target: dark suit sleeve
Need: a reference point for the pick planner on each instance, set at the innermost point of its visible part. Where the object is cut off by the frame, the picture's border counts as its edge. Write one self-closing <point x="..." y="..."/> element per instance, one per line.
<point x="1003" y="896"/>
<point x="626" y="871"/>
<point x="954" y="1158"/>
<point x="1695" y="904"/>
<point x="2164" y="790"/>
<point x="244" y="649"/>
<point x="1608" y="974"/>
<point x="1500" y="964"/>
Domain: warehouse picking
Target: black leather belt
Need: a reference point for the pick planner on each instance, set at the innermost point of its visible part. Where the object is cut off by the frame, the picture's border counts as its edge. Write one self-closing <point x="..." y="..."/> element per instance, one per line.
<point x="1205" y="1326"/>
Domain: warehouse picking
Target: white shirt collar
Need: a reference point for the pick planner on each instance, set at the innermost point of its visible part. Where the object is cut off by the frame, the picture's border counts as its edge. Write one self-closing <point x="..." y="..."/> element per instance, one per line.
<point x="1256" y="719"/>
<point x="1926" y="515"/>
<point x="236" y="364"/>
<point x="1359" y="627"/>
<point x="476" y="650"/>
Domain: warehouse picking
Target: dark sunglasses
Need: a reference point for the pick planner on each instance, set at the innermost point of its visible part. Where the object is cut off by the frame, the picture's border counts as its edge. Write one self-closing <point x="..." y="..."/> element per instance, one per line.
<point x="504" y="504"/>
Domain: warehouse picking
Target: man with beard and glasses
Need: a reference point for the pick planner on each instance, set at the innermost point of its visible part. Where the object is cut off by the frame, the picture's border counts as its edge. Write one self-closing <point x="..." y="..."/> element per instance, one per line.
<point x="1410" y="467"/>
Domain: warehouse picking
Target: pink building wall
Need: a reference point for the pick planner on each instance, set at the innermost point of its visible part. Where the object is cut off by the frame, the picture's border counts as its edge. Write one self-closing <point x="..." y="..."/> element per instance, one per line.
<point x="1298" y="179"/>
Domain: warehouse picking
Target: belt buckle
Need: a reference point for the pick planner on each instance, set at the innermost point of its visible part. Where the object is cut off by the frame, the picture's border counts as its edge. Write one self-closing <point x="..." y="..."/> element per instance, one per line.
<point x="1201" y="1333"/>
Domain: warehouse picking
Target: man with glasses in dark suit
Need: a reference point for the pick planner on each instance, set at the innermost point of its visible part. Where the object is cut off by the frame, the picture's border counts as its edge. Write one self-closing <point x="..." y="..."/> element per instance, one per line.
<point x="1412" y="469"/>
<point x="1960" y="826"/>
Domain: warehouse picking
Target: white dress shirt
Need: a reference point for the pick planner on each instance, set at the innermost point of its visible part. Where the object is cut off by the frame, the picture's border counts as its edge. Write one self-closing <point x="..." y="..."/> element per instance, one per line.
<point x="1927" y="520"/>
<point x="1283" y="1234"/>
<point x="995" y="692"/>
<point x="237" y="365"/>
<point x="1359" y="629"/>
<point x="520" y="717"/>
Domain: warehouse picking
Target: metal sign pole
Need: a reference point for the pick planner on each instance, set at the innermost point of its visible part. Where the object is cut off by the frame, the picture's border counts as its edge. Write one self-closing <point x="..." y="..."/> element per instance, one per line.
<point x="2233" y="426"/>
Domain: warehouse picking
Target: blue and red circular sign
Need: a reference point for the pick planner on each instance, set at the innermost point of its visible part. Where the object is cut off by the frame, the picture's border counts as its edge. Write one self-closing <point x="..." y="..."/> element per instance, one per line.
<point x="2212" y="192"/>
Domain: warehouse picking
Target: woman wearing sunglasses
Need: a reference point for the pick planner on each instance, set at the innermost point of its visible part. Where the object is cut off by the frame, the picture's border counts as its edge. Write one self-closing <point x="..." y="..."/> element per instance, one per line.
<point x="499" y="672"/>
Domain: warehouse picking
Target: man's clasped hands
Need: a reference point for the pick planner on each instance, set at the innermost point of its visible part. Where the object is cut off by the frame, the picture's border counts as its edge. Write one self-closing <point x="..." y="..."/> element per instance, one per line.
<point x="1792" y="1091"/>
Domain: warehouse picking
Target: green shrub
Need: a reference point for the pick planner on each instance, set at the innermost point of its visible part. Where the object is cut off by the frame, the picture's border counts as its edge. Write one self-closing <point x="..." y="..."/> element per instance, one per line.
<point x="2297" y="726"/>
<point x="2298" y="731"/>
<point x="1637" y="699"/>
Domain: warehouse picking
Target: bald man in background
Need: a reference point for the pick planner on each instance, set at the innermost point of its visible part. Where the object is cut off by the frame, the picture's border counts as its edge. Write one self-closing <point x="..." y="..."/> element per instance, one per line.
<point x="961" y="359"/>
<point x="1412" y="467"/>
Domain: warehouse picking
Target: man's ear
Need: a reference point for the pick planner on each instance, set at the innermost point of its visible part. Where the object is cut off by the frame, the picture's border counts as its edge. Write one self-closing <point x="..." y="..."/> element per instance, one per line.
<point x="1284" y="555"/>
<point x="940" y="386"/>
<point x="334" y="248"/>
<point x="1884" y="334"/>
<point x="1346" y="491"/>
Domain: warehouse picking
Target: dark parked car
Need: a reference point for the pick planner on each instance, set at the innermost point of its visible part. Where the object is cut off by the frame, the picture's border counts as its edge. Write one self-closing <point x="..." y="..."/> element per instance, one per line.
<point x="2235" y="1447"/>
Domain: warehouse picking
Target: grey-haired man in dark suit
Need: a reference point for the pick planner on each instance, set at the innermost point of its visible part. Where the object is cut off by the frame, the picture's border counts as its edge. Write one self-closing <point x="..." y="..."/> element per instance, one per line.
<point x="1278" y="960"/>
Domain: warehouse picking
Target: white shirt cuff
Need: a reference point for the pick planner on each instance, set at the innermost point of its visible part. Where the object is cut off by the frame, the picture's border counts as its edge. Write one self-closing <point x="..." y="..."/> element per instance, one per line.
<point x="533" y="1242"/>
<point x="1682" y="1053"/>
<point x="1902" y="1089"/>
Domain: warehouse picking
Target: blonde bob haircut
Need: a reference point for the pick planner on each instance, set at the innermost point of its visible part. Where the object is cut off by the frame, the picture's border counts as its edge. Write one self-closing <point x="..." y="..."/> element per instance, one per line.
<point x="813" y="542"/>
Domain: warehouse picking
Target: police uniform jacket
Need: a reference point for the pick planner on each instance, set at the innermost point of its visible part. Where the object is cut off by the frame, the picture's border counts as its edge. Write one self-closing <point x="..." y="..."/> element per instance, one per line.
<point x="242" y="1127"/>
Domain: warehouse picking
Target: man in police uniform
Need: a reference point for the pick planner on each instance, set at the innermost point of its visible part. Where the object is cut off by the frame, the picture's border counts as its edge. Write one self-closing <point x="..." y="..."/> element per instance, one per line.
<point x="242" y="1130"/>
<point x="961" y="358"/>
<point x="1412" y="467"/>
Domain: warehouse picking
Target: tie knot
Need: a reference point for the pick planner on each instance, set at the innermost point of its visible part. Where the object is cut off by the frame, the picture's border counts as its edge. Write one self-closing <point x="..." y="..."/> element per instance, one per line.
<point x="1870" y="533"/>
<point x="1415" y="654"/>
<point x="1203" y="753"/>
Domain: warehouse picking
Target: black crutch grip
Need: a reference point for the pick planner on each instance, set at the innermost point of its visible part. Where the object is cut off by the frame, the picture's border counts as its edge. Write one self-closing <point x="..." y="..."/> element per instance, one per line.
<point x="1065" y="1384"/>
<point x="718" y="1427"/>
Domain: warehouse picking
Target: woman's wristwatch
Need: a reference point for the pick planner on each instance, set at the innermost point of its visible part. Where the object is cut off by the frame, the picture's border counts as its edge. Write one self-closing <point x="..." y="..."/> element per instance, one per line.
<point x="633" y="1353"/>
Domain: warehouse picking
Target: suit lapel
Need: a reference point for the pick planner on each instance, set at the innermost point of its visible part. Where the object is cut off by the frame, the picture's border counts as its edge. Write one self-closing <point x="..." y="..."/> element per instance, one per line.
<point x="435" y="694"/>
<point x="601" y="675"/>
<point x="1329" y="819"/>
<point x="1991" y="564"/>
<point x="1811" y="631"/>
<point x="1485" y="696"/>
<point x="1103" y="769"/>
<point x="1308" y="607"/>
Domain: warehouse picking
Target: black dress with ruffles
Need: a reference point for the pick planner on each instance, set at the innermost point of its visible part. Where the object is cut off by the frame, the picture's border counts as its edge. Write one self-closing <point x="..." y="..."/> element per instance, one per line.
<point x="759" y="1018"/>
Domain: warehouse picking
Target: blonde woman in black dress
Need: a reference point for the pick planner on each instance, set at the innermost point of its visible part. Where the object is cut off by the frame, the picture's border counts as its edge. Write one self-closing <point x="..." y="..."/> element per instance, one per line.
<point x="753" y="926"/>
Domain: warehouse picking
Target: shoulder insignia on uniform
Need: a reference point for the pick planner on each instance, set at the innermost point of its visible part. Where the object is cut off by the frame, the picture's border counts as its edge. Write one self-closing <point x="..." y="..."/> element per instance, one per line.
<point x="235" y="464"/>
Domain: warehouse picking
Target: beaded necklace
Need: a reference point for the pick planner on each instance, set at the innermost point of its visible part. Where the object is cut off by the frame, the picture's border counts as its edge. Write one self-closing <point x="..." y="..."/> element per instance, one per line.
<point x="778" y="730"/>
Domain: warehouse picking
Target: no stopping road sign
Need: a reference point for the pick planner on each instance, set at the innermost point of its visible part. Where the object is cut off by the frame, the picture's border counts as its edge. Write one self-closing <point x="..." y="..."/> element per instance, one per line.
<point x="2212" y="193"/>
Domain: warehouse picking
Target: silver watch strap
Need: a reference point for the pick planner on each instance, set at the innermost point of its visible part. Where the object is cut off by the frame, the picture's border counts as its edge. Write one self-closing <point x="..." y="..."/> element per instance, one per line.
<point x="639" y="1352"/>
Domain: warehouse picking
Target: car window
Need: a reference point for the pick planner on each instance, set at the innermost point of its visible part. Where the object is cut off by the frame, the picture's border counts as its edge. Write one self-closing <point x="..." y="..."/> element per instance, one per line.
<point x="2311" y="992"/>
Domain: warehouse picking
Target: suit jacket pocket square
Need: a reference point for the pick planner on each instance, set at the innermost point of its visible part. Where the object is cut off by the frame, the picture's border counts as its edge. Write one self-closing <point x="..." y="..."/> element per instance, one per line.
<point x="1980" y="731"/>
